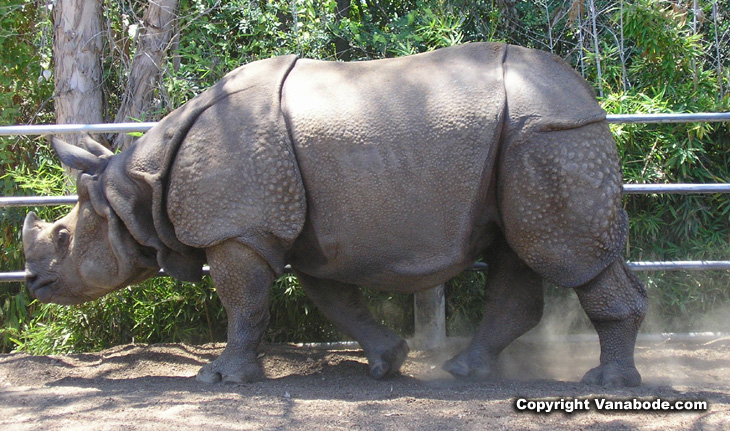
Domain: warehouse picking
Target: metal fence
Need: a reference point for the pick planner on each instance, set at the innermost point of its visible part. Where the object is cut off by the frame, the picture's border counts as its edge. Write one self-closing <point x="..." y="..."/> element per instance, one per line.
<point x="26" y="201"/>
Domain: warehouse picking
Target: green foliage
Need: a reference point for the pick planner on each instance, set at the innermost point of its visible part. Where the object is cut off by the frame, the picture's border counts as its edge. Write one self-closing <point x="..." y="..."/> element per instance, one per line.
<point x="293" y="317"/>
<point x="22" y="82"/>
<point x="416" y="31"/>
<point x="38" y="175"/>
<point x="217" y="37"/>
<point x="669" y="71"/>
<point x="652" y="60"/>
<point x="664" y="48"/>
<point x="161" y="310"/>
<point x="465" y="298"/>
<point x="165" y="310"/>
<point x="24" y="93"/>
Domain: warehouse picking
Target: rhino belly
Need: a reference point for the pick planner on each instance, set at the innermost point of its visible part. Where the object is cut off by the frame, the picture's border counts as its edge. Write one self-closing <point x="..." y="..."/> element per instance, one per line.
<point x="397" y="158"/>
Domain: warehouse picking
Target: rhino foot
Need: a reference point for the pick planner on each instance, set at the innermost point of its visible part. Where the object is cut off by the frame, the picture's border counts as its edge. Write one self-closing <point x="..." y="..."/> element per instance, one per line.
<point x="613" y="375"/>
<point x="468" y="364"/>
<point x="388" y="362"/>
<point x="230" y="369"/>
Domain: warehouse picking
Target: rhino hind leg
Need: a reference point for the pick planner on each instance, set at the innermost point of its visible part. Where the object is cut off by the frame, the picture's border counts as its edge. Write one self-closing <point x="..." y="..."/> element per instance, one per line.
<point x="560" y="199"/>
<point x="242" y="279"/>
<point x="342" y="304"/>
<point x="514" y="305"/>
<point x="616" y="303"/>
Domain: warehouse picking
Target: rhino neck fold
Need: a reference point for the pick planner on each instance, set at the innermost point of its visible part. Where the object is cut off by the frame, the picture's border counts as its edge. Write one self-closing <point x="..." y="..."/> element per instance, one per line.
<point x="131" y="200"/>
<point x="204" y="173"/>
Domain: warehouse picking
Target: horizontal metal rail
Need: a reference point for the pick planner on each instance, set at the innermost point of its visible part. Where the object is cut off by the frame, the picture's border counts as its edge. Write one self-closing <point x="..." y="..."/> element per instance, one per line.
<point x="19" y="276"/>
<point x="683" y="189"/>
<point x="687" y="265"/>
<point x="538" y="338"/>
<point x="44" y="129"/>
<point x="629" y="189"/>
<point x="40" y="201"/>
<point x="47" y="129"/>
<point x="12" y="277"/>
<point x="706" y="117"/>
<point x="681" y="265"/>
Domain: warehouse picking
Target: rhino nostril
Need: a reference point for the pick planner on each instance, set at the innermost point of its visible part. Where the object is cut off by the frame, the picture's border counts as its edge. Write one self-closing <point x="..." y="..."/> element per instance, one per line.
<point x="30" y="278"/>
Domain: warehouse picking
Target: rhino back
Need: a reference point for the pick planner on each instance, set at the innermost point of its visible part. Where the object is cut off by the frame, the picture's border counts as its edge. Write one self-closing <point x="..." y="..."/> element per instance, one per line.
<point x="397" y="158"/>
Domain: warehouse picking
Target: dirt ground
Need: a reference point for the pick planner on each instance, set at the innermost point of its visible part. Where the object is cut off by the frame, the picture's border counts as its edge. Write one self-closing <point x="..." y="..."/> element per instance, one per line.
<point x="137" y="387"/>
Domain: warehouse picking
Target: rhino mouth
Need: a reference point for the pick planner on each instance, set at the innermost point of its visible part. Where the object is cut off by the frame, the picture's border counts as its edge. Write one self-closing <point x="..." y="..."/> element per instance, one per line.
<point x="41" y="289"/>
<point x="47" y="292"/>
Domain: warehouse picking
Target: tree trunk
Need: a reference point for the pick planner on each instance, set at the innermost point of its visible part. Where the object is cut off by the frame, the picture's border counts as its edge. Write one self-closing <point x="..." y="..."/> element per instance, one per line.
<point x="77" y="56"/>
<point x="342" y="47"/>
<point x="153" y="41"/>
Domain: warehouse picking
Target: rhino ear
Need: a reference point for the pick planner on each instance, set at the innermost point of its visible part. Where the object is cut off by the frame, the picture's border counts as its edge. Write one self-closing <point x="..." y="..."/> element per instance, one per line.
<point x="82" y="186"/>
<point x="94" y="147"/>
<point x="89" y="188"/>
<point x="77" y="158"/>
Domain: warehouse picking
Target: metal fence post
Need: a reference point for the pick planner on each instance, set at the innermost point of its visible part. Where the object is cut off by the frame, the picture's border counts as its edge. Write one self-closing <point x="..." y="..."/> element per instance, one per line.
<point x="429" y="311"/>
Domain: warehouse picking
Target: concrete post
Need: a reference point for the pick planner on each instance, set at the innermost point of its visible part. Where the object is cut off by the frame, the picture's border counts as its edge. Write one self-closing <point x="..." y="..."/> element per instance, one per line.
<point x="429" y="310"/>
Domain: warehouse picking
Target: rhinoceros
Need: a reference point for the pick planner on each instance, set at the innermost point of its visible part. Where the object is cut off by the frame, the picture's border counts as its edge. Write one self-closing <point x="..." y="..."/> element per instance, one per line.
<point x="395" y="174"/>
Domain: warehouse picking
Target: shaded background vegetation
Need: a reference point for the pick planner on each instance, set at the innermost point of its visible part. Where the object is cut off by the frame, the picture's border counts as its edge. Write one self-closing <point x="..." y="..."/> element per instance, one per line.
<point x="642" y="56"/>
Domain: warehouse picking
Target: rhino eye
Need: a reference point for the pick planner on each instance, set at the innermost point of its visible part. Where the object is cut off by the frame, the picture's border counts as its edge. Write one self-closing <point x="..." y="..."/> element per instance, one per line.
<point x="63" y="236"/>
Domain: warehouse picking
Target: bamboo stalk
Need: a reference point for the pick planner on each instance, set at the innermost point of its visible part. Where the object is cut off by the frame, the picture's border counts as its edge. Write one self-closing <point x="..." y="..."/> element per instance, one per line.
<point x="599" y="76"/>
<point x="622" y="52"/>
<point x="715" y="12"/>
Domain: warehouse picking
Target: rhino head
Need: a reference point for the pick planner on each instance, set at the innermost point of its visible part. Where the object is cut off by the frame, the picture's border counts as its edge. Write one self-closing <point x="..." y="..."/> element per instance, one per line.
<point x="89" y="252"/>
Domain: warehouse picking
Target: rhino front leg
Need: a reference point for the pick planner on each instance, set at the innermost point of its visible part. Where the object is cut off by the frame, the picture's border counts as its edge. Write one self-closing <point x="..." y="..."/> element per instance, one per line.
<point x="342" y="304"/>
<point x="514" y="305"/>
<point x="616" y="303"/>
<point x="242" y="279"/>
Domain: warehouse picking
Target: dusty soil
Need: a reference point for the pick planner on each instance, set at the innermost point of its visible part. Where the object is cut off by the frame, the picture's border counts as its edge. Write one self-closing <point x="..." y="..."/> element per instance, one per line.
<point x="137" y="387"/>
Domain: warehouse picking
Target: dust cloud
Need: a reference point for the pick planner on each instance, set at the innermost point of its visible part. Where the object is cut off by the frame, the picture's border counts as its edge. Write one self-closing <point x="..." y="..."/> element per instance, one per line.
<point x="564" y="346"/>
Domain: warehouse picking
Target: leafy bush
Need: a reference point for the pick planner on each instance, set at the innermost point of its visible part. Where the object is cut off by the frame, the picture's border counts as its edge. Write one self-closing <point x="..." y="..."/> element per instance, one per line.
<point x="669" y="70"/>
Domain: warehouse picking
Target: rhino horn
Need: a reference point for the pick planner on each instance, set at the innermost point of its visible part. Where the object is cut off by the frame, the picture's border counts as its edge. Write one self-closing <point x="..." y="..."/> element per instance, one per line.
<point x="29" y="224"/>
<point x="78" y="158"/>
<point x="31" y="227"/>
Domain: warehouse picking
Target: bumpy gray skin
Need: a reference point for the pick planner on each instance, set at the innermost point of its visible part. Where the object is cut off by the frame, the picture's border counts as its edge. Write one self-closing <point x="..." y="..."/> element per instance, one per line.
<point x="393" y="174"/>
